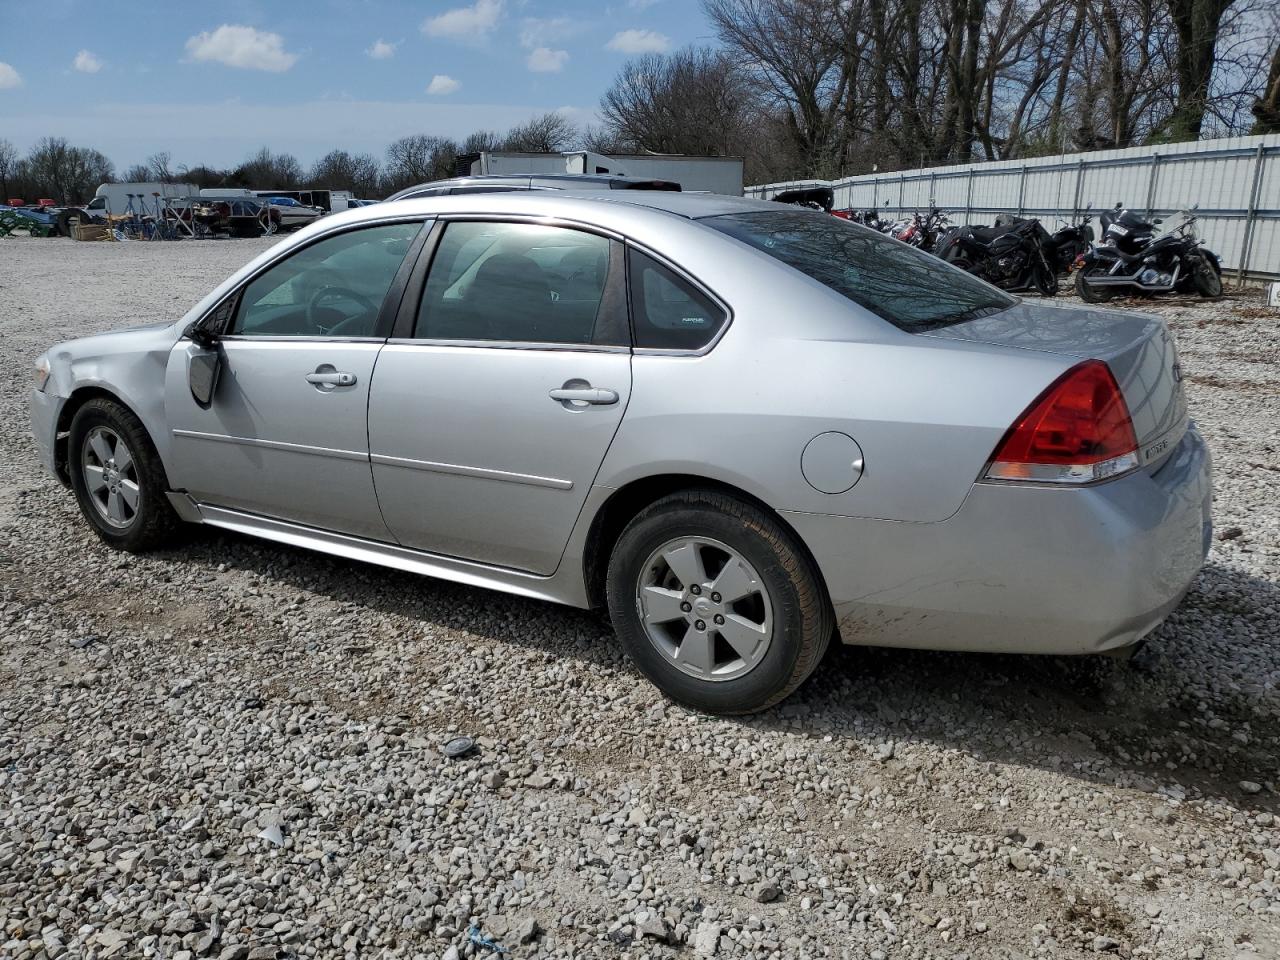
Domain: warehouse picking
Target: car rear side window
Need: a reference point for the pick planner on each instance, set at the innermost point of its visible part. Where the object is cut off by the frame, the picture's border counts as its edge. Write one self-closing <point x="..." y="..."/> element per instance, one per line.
<point x="667" y="311"/>
<point x="523" y="283"/>
<point x="911" y="289"/>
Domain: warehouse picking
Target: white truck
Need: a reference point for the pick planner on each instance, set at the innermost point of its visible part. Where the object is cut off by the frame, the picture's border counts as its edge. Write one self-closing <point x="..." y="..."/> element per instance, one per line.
<point x="707" y="174"/>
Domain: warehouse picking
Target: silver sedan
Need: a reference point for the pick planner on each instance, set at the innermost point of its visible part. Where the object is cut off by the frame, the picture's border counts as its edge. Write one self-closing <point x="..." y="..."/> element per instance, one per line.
<point x="742" y="428"/>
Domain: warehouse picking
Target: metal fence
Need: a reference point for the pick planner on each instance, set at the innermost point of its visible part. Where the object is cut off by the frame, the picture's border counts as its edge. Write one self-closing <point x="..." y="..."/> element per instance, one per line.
<point x="1235" y="182"/>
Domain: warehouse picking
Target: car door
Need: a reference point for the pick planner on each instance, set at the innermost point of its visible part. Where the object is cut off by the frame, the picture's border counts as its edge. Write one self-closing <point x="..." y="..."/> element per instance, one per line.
<point x="493" y="407"/>
<point x="285" y="434"/>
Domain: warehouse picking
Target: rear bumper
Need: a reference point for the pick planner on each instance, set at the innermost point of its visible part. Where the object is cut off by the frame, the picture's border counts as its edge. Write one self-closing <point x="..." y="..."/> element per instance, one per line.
<point x="1024" y="569"/>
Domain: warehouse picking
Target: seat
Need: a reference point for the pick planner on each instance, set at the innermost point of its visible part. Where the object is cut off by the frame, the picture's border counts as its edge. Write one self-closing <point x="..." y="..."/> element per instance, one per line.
<point x="507" y="298"/>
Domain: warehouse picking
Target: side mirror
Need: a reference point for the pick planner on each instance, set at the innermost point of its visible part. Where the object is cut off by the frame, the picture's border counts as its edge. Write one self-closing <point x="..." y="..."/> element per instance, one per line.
<point x="200" y="335"/>
<point x="203" y="369"/>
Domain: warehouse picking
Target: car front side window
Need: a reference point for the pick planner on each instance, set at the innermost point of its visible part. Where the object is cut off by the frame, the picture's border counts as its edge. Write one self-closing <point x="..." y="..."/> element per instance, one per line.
<point x="332" y="288"/>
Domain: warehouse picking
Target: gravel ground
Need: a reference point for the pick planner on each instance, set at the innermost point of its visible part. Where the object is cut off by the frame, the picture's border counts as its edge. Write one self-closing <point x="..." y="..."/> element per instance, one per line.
<point x="232" y="749"/>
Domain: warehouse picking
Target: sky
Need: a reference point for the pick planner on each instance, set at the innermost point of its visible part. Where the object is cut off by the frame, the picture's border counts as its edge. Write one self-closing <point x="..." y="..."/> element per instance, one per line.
<point x="212" y="82"/>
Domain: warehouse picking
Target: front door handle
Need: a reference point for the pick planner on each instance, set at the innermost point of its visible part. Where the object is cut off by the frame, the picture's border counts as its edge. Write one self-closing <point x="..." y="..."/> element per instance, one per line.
<point x="595" y="395"/>
<point x="331" y="378"/>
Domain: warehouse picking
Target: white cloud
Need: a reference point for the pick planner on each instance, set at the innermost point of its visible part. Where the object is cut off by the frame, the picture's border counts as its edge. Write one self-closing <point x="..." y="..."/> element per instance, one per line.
<point x="86" y="62"/>
<point x="9" y="77"/>
<point x="639" y="41"/>
<point x="442" y="85"/>
<point x="540" y="32"/>
<point x="546" y="60"/>
<point x="381" y="50"/>
<point x="478" y="19"/>
<point x="244" y="47"/>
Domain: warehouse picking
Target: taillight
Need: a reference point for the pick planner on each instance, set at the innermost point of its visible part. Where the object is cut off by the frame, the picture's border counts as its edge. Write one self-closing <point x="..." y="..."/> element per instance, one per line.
<point x="1077" y="431"/>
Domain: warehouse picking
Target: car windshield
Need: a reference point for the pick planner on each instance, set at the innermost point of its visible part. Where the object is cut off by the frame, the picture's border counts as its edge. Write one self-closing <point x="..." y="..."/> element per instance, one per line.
<point x="913" y="290"/>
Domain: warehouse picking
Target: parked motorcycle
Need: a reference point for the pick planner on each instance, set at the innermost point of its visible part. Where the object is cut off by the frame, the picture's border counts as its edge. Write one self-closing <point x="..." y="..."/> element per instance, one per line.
<point x="923" y="231"/>
<point x="1066" y="244"/>
<point x="1015" y="256"/>
<point x="1133" y="259"/>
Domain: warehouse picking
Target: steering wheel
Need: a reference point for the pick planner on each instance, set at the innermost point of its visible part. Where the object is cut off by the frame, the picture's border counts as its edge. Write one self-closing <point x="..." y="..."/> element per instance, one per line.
<point x="334" y="292"/>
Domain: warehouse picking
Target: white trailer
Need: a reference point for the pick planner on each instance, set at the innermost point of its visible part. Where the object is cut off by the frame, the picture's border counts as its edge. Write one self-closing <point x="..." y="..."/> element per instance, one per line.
<point x="113" y="198"/>
<point x="710" y="174"/>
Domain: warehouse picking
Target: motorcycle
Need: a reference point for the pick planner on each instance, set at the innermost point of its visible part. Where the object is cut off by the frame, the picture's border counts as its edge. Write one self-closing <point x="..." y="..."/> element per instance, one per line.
<point x="1066" y="244"/>
<point x="1015" y="256"/>
<point x="923" y="232"/>
<point x="1133" y="258"/>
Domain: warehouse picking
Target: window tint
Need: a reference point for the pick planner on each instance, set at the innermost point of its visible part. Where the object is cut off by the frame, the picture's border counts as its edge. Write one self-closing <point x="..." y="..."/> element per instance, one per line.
<point x="333" y="288"/>
<point x="668" y="312"/>
<point x="913" y="290"/>
<point x="518" y="283"/>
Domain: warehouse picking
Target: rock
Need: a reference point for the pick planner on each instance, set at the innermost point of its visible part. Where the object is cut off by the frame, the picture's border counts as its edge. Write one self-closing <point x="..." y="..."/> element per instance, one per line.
<point x="1104" y="944"/>
<point x="1249" y="786"/>
<point x="706" y="939"/>
<point x="1230" y="533"/>
<point x="1020" y="860"/>
<point x="311" y="784"/>
<point x="526" y="931"/>
<point x="653" y="927"/>
<point x="493" y="779"/>
<point x="766" y="891"/>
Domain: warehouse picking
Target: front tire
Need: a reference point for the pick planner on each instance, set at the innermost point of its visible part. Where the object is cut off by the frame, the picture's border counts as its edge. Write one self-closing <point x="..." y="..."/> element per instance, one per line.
<point x="1207" y="279"/>
<point x="118" y="479"/>
<point x="716" y="603"/>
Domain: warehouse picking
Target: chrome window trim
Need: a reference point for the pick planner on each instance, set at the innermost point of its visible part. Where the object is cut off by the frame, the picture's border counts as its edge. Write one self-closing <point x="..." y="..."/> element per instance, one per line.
<point x="286" y="338"/>
<point x="550" y="346"/>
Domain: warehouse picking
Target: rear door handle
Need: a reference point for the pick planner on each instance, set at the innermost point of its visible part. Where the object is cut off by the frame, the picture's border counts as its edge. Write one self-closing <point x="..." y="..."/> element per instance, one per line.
<point x="331" y="378"/>
<point x="595" y="395"/>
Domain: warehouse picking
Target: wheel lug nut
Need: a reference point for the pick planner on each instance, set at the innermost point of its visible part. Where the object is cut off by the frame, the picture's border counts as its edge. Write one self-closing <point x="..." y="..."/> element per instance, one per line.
<point x="686" y="606"/>
<point x="719" y="619"/>
<point x="700" y="625"/>
<point x="695" y="590"/>
<point x="715" y="598"/>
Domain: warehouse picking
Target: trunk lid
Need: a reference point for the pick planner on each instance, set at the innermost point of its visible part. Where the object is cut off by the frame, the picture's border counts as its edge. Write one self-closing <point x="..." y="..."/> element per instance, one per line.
<point x="1138" y="348"/>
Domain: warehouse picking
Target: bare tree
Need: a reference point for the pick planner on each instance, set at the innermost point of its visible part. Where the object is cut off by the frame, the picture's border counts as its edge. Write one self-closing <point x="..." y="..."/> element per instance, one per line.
<point x="694" y="101"/>
<point x="340" y="170"/>
<point x="417" y="159"/>
<point x="269" y="170"/>
<point x="8" y="166"/>
<point x="1266" y="109"/>
<point x="159" y="164"/>
<point x="1197" y="25"/>
<point x="545" y="133"/>
<point x="66" y="173"/>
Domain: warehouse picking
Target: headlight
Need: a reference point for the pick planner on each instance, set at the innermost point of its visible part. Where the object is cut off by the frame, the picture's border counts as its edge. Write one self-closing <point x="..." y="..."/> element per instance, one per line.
<point x="42" y="372"/>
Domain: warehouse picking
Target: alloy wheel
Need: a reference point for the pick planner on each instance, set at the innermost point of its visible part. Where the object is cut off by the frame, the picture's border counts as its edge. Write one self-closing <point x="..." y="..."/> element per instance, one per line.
<point x="110" y="477"/>
<point x="705" y="608"/>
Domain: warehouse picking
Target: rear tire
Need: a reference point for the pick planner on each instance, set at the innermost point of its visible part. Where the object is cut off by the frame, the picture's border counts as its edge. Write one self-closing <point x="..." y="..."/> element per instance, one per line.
<point x="738" y="653"/>
<point x="118" y="479"/>
<point x="1090" y="294"/>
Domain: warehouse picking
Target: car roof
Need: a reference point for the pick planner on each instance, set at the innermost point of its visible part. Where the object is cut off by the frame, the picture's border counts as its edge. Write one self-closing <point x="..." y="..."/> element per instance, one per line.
<point x="534" y="181"/>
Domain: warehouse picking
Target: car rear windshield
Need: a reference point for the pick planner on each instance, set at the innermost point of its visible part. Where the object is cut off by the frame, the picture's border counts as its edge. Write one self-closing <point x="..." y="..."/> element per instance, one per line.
<point x="913" y="290"/>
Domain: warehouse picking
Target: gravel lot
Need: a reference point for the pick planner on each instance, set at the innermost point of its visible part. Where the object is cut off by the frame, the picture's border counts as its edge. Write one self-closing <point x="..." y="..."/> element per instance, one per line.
<point x="232" y="749"/>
